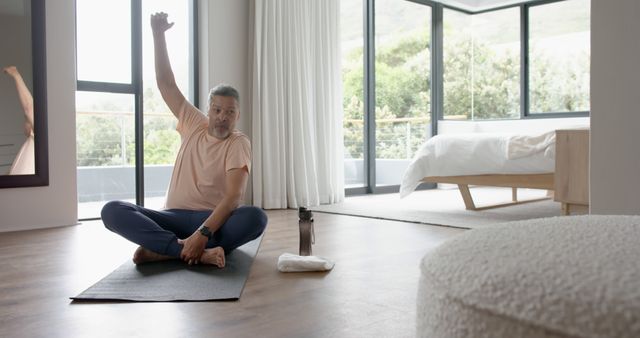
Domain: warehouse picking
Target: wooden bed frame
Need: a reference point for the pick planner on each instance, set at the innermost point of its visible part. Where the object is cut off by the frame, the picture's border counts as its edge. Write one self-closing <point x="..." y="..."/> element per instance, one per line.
<point x="531" y="181"/>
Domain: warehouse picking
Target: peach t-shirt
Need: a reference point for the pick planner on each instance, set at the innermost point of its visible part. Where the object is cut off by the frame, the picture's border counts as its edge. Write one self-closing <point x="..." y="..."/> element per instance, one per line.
<point x="199" y="175"/>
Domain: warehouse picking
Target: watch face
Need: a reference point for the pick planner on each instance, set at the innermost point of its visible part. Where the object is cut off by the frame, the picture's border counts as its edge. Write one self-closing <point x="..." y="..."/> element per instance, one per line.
<point x="205" y="231"/>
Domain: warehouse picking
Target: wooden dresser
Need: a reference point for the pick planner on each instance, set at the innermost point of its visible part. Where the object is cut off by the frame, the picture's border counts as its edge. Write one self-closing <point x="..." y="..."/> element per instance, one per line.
<point x="571" y="179"/>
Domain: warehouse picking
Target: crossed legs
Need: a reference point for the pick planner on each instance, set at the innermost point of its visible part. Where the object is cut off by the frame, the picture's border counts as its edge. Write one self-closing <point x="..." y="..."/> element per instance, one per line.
<point x="159" y="233"/>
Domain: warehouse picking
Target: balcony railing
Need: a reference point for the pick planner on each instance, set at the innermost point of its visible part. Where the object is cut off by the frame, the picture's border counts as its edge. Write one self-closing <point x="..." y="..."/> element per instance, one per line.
<point x="397" y="140"/>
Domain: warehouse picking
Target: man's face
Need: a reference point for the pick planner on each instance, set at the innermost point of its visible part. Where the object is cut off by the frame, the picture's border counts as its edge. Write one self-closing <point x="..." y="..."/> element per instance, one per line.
<point x="223" y="115"/>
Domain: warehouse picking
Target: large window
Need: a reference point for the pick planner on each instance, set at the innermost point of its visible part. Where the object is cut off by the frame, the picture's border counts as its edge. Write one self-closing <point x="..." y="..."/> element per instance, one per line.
<point x="120" y="113"/>
<point x="483" y="61"/>
<point x="559" y="57"/>
<point x="406" y="62"/>
<point x="481" y="65"/>
<point x="104" y="47"/>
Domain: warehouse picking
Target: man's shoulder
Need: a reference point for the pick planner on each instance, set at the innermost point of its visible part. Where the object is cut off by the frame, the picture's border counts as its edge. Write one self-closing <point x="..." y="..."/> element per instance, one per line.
<point x="237" y="135"/>
<point x="190" y="118"/>
<point x="238" y="142"/>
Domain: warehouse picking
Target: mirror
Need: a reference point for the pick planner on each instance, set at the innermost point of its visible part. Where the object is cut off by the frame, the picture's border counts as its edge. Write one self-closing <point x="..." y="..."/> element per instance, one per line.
<point x="23" y="103"/>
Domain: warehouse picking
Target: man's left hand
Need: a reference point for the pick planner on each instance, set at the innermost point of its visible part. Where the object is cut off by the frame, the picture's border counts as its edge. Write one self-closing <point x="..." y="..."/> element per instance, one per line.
<point x="192" y="248"/>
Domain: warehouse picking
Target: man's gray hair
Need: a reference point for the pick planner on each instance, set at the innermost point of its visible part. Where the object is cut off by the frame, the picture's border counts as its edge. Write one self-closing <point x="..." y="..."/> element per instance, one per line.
<point x="224" y="89"/>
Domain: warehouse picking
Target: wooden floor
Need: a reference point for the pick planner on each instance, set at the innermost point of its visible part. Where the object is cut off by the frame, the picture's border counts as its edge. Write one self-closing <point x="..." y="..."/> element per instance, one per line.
<point x="370" y="292"/>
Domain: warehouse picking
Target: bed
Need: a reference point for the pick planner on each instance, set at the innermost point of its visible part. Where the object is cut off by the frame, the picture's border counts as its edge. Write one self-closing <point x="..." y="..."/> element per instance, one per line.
<point x="485" y="159"/>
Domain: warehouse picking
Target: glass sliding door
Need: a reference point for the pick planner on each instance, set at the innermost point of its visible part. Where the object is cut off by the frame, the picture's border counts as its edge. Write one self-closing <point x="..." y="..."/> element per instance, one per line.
<point x="402" y="86"/>
<point x="105" y="150"/>
<point x="104" y="120"/>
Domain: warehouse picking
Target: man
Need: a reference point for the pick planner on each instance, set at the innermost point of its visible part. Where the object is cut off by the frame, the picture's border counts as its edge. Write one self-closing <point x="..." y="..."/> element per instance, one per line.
<point x="202" y="220"/>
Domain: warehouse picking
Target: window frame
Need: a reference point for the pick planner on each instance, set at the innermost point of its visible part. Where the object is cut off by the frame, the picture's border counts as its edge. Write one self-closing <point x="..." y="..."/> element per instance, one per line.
<point x="525" y="112"/>
<point x="369" y="128"/>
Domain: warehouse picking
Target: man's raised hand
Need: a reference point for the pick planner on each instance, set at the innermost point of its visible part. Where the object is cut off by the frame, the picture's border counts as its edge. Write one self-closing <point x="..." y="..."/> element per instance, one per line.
<point x="10" y="70"/>
<point x="159" y="23"/>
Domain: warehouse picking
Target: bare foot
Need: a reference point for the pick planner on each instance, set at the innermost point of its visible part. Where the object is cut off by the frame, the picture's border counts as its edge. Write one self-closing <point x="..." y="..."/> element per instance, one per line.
<point x="143" y="255"/>
<point x="213" y="256"/>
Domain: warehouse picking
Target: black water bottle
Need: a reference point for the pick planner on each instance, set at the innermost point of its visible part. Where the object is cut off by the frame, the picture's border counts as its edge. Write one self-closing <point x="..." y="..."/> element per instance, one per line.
<point x="307" y="236"/>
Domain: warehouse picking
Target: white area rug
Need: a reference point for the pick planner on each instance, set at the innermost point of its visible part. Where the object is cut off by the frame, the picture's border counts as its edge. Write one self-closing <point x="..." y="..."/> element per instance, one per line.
<point x="445" y="207"/>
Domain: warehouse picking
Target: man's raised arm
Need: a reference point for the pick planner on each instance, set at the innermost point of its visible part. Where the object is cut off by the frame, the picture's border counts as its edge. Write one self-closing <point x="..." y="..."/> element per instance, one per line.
<point x="164" y="75"/>
<point x="26" y="100"/>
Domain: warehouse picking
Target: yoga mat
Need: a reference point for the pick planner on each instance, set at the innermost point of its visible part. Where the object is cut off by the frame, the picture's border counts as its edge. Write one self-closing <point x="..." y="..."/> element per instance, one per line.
<point x="175" y="280"/>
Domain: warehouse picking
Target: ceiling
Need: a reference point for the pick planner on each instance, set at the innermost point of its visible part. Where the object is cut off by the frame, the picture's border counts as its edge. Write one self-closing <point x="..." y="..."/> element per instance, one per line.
<point x="480" y="5"/>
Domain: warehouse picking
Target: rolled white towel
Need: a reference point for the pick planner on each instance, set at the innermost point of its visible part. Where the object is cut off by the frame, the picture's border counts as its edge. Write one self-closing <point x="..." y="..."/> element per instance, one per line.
<point x="293" y="263"/>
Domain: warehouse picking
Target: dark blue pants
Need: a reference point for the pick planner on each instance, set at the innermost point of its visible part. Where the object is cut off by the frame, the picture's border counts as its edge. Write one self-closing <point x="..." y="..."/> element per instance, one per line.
<point x="159" y="231"/>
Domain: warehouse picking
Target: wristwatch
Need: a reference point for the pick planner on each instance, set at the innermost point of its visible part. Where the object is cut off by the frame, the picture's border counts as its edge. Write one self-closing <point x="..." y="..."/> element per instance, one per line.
<point x="203" y="230"/>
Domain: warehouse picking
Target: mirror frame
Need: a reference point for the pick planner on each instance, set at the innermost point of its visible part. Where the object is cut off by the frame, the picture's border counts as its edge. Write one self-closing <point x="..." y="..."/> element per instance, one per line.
<point x="39" y="59"/>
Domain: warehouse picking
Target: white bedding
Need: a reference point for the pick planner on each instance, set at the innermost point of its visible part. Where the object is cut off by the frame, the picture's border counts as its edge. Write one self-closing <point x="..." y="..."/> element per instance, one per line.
<point x="480" y="154"/>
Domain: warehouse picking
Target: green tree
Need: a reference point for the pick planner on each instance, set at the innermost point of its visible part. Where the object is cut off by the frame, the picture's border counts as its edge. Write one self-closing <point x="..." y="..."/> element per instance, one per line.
<point x="402" y="90"/>
<point x="496" y="85"/>
<point x="161" y="140"/>
<point x="559" y="86"/>
<point x="100" y="134"/>
<point x="457" y="72"/>
<point x="100" y="139"/>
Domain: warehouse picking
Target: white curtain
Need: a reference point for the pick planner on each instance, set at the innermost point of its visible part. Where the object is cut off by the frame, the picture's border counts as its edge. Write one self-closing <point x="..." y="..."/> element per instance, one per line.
<point x="297" y="104"/>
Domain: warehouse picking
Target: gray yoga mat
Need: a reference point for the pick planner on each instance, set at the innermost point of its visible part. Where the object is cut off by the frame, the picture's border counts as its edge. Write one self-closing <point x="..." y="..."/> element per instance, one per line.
<point x="175" y="280"/>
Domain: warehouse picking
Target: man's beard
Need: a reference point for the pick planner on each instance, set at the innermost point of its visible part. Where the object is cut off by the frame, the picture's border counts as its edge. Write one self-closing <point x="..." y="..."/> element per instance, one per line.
<point x="221" y="131"/>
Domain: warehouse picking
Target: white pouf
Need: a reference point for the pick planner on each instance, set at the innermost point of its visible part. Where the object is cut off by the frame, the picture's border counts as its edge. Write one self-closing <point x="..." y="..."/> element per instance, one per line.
<point x="553" y="277"/>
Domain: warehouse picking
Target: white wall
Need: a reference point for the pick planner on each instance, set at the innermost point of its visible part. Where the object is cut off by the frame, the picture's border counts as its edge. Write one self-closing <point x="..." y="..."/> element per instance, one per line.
<point x="225" y="28"/>
<point x="615" y="107"/>
<point x="224" y="52"/>
<point x="54" y="205"/>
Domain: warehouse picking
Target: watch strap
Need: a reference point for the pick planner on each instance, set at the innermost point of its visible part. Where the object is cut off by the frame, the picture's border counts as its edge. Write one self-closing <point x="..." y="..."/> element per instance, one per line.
<point x="205" y="231"/>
